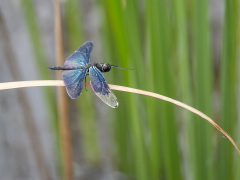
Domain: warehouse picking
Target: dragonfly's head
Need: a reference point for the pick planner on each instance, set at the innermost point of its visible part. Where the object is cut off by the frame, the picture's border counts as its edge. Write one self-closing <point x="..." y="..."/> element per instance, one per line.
<point x="106" y="67"/>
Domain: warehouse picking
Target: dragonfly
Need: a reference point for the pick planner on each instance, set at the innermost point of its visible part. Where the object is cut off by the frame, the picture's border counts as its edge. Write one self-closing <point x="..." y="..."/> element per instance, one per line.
<point x="77" y="66"/>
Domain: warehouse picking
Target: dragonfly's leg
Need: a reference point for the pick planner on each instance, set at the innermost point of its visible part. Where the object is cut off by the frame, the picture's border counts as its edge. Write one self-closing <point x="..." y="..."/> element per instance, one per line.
<point x="85" y="83"/>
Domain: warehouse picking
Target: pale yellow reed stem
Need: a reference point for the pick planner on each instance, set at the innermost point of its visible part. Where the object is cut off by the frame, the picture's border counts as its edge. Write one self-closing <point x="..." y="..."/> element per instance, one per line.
<point x="11" y="85"/>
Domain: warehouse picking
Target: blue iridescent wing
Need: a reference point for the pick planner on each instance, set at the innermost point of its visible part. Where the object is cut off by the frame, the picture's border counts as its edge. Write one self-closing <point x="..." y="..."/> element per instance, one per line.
<point x="81" y="56"/>
<point x="73" y="79"/>
<point x="101" y="88"/>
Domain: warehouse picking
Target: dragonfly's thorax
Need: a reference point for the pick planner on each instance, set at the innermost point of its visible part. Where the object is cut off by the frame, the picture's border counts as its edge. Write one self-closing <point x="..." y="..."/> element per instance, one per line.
<point x="105" y="67"/>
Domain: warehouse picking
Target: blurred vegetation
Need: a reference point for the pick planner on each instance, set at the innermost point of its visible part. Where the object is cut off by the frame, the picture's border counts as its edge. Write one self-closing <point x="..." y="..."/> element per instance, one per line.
<point x="170" y="45"/>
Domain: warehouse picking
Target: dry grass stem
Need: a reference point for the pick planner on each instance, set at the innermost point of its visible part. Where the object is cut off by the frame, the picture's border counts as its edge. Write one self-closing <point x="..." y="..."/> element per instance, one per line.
<point x="65" y="132"/>
<point x="20" y="84"/>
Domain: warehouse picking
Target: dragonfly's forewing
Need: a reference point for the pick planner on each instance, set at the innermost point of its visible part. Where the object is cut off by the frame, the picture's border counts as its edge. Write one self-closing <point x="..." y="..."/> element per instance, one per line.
<point x="73" y="79"/>
<point x="101" y="88"/>
<point x="81" y="56"/>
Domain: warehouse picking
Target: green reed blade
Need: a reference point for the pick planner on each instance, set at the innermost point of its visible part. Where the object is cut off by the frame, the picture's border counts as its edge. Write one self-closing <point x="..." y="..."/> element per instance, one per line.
<point x="184" y="79"/>
<point x="160" y="48"/>
<point x="229" y="87"/>
<point x="120" y="20"/>
<point x="42" y="63"/>
<point x="203" y="88"/>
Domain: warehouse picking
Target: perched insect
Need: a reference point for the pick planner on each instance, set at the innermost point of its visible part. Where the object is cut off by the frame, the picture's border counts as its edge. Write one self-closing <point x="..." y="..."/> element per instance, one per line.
<point x="75" y="71"/>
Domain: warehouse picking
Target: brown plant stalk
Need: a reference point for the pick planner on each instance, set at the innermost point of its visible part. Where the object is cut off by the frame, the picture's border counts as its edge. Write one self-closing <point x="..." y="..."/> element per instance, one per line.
<point x="65" y="133"/>
<point x="20" y="84"/>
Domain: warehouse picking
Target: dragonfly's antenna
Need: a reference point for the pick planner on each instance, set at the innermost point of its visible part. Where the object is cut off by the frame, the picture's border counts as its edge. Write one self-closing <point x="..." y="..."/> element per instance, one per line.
<point x="120" y="67"/>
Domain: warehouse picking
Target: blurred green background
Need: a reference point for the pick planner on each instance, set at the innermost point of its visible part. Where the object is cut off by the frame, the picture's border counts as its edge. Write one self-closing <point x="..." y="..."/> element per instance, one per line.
<point x="185" y="49"/>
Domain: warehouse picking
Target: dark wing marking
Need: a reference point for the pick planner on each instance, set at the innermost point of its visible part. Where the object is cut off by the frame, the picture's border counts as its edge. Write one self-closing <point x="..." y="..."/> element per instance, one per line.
<point x="73" y="80"/>
<point x="101" y="88"/>
<point x="81" y="56"/>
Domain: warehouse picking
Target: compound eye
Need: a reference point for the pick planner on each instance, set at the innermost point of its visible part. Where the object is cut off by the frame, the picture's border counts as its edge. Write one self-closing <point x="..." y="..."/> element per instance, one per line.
<point x="106" y="67"/>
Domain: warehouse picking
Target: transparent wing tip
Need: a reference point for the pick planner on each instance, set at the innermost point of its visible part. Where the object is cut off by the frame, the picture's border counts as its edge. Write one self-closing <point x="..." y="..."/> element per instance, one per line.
<point x="114" y="105"/>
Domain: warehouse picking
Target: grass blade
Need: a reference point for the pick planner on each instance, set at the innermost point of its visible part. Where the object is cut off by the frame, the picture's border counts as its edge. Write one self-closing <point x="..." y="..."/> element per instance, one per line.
<point x="229" y="85"/>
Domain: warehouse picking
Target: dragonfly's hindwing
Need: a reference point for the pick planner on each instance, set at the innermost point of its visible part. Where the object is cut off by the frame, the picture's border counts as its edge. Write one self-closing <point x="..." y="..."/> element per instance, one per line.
<point x="101" y="88"/>
<point x="73" y="80"/>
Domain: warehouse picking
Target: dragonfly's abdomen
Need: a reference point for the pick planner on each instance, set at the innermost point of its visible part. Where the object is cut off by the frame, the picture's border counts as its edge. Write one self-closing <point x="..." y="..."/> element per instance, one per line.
<point x="66" y="68"/>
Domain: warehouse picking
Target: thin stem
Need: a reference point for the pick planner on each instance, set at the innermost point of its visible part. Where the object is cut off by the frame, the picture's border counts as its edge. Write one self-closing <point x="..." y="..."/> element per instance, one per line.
<point x="20" y="84"/>
<point x="65" y="132"/>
